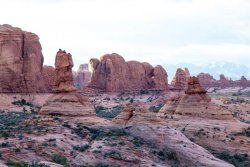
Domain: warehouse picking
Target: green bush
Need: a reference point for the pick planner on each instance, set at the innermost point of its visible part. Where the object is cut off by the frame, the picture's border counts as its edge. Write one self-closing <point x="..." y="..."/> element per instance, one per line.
<point x="239" y="160"/>
<point x="138" y="142"/>
<point x="11" y="163"/>
<point x="167" y="155"/>
<point x="14" y="123"/>
<point x="108" y="113"/>
<point x="144" y="92"/>
<point x="22" y="102"/>
<point x="81" y="148"/>
<point x="156" y="109"/>
<point x="59" y="160"/>
<point x="113" y="154"/>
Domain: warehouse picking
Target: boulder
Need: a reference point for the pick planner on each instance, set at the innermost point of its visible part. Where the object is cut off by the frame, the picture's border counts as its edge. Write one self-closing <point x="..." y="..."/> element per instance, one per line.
<point x="21" y="61"/>
<point x="113" y="74"/>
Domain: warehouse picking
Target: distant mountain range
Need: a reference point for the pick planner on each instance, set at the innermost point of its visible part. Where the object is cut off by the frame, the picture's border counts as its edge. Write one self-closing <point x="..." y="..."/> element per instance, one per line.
<point x="230" y="70"/>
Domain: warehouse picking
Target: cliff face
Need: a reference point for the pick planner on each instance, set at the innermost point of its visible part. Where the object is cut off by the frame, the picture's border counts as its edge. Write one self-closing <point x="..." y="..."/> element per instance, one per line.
<point x="113" y="74"/>
<point x="21" y="61"/>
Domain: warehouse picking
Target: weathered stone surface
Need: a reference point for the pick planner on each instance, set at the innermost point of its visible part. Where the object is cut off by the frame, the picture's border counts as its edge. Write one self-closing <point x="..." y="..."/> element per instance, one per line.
<point x="113" y="74"/>
<point x="66" y="101"/>
<point x="21" y="61"/>
<point x="63" y="68"/>
<point x="147" y="126"/>
<point x="68" y="104"/>
<point x="195" y="103"/>
<point x="83" y="76"/>
<point x="180" y="79"/>
<point x="187" y="152"/>
<point x="48" y="74"/>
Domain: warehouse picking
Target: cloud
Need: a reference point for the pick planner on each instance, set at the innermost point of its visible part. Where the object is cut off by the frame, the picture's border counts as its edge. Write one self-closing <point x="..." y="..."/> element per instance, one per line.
<point x="158" y="31"/>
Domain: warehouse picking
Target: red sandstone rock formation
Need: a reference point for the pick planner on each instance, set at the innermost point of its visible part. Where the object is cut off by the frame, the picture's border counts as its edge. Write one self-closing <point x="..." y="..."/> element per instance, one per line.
<point x="66" y="101"/>
<point x="64" y="77"/>
<point x="207" y="81"/>
<point x="21" y="61"/>
<point x="49" y="76"/>
<point x="179" y="81"/>
<point x="112" y="74"/>
<point x="83" y="76"/>
<point x="195" y="103"/>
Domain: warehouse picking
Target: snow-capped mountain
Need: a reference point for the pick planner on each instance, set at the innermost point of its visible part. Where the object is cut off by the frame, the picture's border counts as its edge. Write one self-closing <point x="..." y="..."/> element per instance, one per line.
<point x="231" y="70"/>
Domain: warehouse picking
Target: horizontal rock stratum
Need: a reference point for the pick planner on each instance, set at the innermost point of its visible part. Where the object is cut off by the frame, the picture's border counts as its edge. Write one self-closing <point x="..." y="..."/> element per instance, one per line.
<point x="113" y="74"/>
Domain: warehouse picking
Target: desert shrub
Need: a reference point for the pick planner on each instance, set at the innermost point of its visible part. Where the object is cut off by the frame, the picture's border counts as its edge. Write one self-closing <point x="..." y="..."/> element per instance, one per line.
<point x="6" y="144"/>
<point x="167" y="155"/>
<point x="108" y="113"/>
<point x="246" y="132"/>
<point x="22" y="102"/>
<point x="56" y="158"/>
<point x="138" y="142"/>
<point x="107" y="98"/>
<point x="247" y="93"/>
<point x="144" y="92"/>
<point x="79" y="131"/>
<point x="11" y="163"/>
<point x="239" y="160"/>
<point x="13" y="123"/>
<point x="81" y="148"/>
<point x="98" y="134"/>
<point x="113" y="154"/>
<point x="150" y="99"/>
<point x="156" y="109"/>
<point x="102" y="165"/>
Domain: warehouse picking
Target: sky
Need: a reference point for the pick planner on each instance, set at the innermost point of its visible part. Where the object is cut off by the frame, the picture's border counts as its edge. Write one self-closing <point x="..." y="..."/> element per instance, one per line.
<point x="156" y="31"/>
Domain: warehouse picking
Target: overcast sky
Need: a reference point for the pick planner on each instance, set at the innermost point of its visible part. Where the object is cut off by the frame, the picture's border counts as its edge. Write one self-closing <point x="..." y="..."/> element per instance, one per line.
<point x="157" y="31"/>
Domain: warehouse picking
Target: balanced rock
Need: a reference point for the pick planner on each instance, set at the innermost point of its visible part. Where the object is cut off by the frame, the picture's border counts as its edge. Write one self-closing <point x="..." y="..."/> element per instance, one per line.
<point x="83" y="76"/>
<point x="66" y="101"/>
<point x="64" y="81"/>
<point x="180" y="79"/>
<point x="21" y="61"/>
<point x="113" y="74"/>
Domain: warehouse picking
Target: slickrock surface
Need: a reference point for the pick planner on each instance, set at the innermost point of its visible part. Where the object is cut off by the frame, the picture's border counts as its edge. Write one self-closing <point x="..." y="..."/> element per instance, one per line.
<point x="21" y="61"/>
<point x="147" y="126"/>
<point x="68" y="104"/>
<point x="112" y="74"/>
<point x="180" y="79"/>
<point x="83" y="76"/>
<point x="207" y="124"/>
